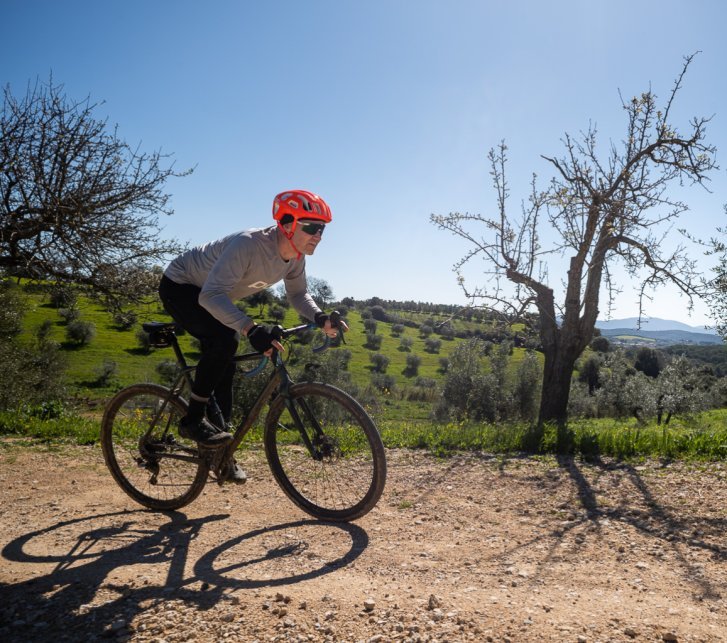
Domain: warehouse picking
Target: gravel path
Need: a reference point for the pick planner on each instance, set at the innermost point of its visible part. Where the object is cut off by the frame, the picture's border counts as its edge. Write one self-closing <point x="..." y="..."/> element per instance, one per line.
<point x="470" y="548"/>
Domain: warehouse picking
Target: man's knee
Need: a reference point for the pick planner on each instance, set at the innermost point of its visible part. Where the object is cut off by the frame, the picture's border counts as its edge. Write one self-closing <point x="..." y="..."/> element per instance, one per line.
<point x="223" y="345"/>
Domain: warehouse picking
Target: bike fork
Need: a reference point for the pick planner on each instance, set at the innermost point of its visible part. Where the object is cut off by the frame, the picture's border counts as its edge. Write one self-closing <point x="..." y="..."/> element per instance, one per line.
<point x="301" y="426"/>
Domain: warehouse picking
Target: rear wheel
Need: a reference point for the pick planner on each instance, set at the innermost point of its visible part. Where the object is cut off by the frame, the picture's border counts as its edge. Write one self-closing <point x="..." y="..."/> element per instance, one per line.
<point x="325" y="452"/>
<point x="144" y="452"/>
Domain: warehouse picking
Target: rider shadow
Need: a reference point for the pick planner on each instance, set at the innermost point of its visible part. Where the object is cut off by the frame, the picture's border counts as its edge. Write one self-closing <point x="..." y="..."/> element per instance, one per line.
<point x="83" y="576"/>
<point x="282" y="549"/>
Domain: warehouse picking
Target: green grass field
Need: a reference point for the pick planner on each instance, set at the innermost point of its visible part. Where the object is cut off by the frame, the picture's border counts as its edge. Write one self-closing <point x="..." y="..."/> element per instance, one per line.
<point x="403" y="423"/>
<point x="135" y="365"/>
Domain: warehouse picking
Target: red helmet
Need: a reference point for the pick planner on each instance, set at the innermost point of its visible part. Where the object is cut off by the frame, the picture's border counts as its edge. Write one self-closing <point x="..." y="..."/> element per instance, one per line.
<point x="300" y="204"/>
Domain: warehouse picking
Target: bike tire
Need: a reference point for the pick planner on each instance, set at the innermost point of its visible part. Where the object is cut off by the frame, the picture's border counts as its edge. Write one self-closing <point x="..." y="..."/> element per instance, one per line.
<point x="163" y="471"/>
<point x="345" y="484"/>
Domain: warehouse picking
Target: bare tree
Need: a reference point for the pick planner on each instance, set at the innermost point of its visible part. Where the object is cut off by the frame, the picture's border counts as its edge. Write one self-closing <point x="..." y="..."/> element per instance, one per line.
<point x="602" y="210"/>
<point x="77" y="203"/>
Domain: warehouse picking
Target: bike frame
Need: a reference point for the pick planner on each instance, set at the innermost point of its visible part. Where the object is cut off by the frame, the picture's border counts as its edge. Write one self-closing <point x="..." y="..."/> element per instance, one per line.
<point x="279" y="381"/>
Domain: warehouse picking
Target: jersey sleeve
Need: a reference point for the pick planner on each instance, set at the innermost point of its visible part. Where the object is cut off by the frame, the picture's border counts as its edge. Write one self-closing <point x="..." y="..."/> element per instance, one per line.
<point x="227" y="272"/>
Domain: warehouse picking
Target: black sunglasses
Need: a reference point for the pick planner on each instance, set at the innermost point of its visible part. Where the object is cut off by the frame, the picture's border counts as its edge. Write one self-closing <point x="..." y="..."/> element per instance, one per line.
<point x="313" y="228"/>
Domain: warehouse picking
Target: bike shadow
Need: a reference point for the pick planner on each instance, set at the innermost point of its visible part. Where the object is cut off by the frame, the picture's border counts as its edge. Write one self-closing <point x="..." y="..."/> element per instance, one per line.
<point x="84" y="581"/>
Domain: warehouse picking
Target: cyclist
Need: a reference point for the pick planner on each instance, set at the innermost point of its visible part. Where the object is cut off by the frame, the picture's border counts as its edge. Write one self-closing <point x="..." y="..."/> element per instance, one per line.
<point x="198" y="289"/>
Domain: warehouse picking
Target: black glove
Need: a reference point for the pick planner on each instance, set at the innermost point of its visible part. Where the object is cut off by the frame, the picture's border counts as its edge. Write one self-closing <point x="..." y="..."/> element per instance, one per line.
<point x="260" y="338"/>
<point x="321" y="319"/>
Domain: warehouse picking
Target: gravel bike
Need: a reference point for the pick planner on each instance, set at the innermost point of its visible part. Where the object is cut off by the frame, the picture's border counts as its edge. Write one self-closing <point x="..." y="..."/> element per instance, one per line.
<point x="323" y="448"/>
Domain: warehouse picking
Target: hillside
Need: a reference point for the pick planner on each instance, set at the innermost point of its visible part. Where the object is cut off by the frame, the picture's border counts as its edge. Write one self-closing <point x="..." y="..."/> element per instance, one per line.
<point x="658" y="337"/>
<point x="651" y="324"/>
<point x="656" y="332"/>
<point x="115" y="357"/>
<point x="408" y="395"/>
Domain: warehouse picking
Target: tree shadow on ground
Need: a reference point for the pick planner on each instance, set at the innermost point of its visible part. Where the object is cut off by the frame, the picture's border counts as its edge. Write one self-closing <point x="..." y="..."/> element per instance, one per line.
<point x="655" y="521"/>
<point x="641" y="511"/>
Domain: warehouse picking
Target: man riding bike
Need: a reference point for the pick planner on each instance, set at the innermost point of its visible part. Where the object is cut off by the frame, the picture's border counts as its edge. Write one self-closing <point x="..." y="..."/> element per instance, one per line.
<point x="199" y="287"/>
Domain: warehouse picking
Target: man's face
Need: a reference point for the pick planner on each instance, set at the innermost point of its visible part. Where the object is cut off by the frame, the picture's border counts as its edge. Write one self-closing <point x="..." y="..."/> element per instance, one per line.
<point x="307" y="235"/>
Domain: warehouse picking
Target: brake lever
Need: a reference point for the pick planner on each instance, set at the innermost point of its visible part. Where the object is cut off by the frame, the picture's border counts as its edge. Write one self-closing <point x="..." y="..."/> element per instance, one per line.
<point x="336" y="323"/>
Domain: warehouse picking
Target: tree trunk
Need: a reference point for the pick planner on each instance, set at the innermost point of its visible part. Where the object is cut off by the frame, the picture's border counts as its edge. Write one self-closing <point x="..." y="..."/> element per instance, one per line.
<point x="561" y="348"/>
<point x="557" y="375"/>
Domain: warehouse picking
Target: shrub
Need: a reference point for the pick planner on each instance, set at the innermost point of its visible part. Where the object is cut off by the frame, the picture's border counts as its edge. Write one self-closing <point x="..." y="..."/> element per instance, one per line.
<point x="412" y="365"/>
<point x="63" y="296"/>
<point x="330" y="367"/>
<point x="405" y="344"/>
<point x="12" y="310"/>
<point x="424" y="390"/>
<point x="106" y="372"/>
<point x="378" y="312"/>
<point x="30" y="374"/>
<point x="370" y="325"/>
<point x="589" y="373"/>
<point x="168" y="371"/>
<point x="397" y="329"/>
<point x="305" y="337"/>
<point x="125" y="319"/>
<point x="459" y="384"/>
<point x="80" y="332"/>
<point x="142" y="337"/>
<point x="69" y="315"/>
<point x="425" y="330"/>
<point x="373" y="342"/>
<point x="380" y="362"/>
<point x="48" y="410"/>
<point x="425" y="382"/>
<point x="277" y="313"/>
<point x="447" y="332"/>
<point x="383" y="382"/>
<point x="432" y="345"/>
<point x="246" y="391"/>
<point x="526" y="393"/>
<point x="44" y="330"/>
<point x="580" y="403"/>
<point x="485" y="400"/>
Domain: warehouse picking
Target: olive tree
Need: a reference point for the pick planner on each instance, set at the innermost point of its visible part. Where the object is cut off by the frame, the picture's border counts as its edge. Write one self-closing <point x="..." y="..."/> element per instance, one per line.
<point x="77" y="203"/>
<point x="679" y="390"/>
<point x="602" y="209"/>
<point x="321" y="291"/>
<point x="717" y="287"/>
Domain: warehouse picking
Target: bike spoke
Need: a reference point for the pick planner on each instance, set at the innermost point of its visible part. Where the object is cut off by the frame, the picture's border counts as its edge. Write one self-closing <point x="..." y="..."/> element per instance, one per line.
<point x="150" y="462"/>
<point x="326" y="453"/>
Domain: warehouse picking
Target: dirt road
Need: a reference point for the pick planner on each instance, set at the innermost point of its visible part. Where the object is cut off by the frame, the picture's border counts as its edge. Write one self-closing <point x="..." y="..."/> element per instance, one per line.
<point x="472" y="548"/>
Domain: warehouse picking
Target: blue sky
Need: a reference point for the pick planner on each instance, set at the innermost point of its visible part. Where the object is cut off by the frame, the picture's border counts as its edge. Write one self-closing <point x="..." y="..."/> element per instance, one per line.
<point x="386" y="108"/>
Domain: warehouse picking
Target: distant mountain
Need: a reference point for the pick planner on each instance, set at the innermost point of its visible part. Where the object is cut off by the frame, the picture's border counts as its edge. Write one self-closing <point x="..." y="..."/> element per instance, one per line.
<point x="654" y="331"/>
<point x="651" y="324"/>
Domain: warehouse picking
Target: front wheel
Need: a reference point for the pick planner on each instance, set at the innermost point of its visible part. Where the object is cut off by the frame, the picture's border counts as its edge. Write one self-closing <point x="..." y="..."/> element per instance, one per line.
<point x="325" y="452"/>
<point x="143" y="451"/>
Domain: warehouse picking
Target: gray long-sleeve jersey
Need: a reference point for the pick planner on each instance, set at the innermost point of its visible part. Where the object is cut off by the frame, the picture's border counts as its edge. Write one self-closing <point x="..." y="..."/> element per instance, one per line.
<point x="238" y="266"/>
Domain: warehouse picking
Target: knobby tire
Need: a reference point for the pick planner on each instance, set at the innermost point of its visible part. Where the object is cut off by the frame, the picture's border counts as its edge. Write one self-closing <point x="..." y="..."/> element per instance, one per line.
<point x="347" y="480"/>
<point x="150" y="471"/>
